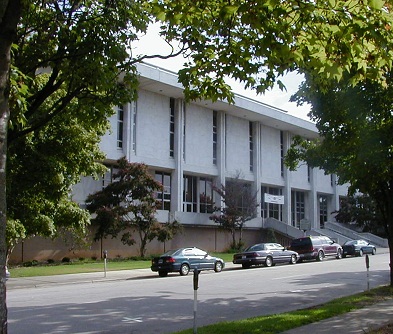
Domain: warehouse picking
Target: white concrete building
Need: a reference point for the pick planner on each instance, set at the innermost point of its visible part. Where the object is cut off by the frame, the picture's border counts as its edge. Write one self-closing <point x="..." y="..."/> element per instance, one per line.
<point x="187" y="146"/>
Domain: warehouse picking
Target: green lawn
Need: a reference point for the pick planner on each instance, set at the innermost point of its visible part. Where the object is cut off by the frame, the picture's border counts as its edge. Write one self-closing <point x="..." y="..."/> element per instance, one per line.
<point x="86" y="266"/>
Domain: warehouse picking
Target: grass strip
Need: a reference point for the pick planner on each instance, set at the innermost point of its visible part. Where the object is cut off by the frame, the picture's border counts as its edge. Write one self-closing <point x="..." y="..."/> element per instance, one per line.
<point x="87" y="266"/>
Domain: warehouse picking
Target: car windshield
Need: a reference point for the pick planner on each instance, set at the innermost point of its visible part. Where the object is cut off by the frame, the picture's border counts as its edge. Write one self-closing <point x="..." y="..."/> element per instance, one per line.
<point x="351" y="242"/>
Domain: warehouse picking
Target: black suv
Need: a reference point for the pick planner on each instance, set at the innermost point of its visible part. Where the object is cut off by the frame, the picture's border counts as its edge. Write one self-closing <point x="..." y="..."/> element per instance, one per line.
<point x="316" y="247"/>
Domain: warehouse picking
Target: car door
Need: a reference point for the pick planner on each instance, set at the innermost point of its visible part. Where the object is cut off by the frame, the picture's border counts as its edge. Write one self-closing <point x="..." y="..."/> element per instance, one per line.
<point x="282" y="255"/>
<point x="364" y="246"/>
<point x="190" y="257"/>
<point x="204" y="260"/>
<point x="330" y="247"/>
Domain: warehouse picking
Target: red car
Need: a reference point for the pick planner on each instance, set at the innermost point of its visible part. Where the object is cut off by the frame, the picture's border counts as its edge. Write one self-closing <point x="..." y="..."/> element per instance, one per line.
<point x="316" y="248"/>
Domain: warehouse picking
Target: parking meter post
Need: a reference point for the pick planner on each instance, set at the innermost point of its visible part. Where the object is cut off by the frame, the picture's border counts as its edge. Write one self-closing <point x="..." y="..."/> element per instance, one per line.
<point x="368" y="269"/>
<point x="105" y="257"/>
<point x="195" y="283"/>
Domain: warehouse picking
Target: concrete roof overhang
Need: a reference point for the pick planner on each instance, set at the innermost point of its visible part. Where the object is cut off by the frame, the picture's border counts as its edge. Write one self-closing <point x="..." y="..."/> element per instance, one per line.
<point x="162" y="81"/>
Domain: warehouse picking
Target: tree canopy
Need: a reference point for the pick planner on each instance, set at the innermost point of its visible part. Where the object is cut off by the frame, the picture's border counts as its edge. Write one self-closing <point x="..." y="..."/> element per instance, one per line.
<point x="257" y="41"/>
<point x="355" y="126"/>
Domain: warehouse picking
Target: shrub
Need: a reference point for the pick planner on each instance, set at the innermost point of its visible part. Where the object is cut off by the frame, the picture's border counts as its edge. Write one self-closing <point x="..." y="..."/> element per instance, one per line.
<point x="30" y="263"/>
<point x="65" y="259"/>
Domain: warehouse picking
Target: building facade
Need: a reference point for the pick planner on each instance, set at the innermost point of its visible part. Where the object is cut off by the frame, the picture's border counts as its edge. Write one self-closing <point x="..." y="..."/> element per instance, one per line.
<point x="190" y="146"/>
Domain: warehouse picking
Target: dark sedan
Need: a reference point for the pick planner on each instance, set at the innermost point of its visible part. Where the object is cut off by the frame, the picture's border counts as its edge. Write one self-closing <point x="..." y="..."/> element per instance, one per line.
<point x="183" y="260"/>
<point x="267" y="254"/>
<point x="358" y="248"/>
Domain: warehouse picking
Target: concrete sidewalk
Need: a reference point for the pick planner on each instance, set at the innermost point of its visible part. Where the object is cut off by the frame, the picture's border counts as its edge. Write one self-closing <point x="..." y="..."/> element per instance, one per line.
<point x="356" y="322"/>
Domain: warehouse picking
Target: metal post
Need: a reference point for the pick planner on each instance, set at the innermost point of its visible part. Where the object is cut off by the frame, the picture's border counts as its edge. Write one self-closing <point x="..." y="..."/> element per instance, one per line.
<point x="195" y="281"/>
<point x="105" y="256"/>
<point x="368" y="269"/>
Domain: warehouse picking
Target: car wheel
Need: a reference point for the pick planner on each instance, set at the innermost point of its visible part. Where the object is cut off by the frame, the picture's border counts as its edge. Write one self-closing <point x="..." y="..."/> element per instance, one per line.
<point x="293" y="259"/>
<point x="184" y="269"/>
<point x="361" y="252"/>
<point x="339" y="254"/>
<point x="163" y="273"/>
<point x="320" y="256"/>
<point x="374" y="251"/>
<point x="218" y="267"/>
<point x="246" y="265"/>
<point x="269" y="261"/>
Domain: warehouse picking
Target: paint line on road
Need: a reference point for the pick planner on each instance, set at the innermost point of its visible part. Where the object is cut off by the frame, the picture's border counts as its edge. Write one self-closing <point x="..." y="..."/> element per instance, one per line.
<point x="132" y="320"/>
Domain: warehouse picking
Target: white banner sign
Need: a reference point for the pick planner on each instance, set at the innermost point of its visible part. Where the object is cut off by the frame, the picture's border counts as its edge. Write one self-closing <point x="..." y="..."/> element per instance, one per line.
<point x="274" y="199"/>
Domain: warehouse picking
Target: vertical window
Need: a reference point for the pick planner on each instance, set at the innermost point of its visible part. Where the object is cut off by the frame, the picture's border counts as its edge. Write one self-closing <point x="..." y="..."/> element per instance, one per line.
<point x="323" y="210"/>
<point x="107" y="178"/>
<point x="190" y="198"/>
<point x="297" y="207"/>
<point x="282" y="152"/>
<point x="215" y="134"/>
<point x="184" y="132"/>
<point x="120" y="126"/>
<point x="134" y="112"/>
<point x="308" y="173"/>
<point x="270" y="209"/>
<point x="205" y="195"/>
<point x="251" y="146"/>
<point x="239" y="193"/>
<point x="164" y="196"/>
<point x="172" y="127"/>
<point x="331" y="180"/>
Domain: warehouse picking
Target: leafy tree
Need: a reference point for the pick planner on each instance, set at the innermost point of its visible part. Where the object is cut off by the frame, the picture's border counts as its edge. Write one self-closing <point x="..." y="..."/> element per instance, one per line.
<point x="239" y="205"/>
<point x="128" y="204"/>
<point x="362" y="210"/>
<point x="86" y="44"/>
<point x="355" y="126"/>
<point x="257" y="41"/>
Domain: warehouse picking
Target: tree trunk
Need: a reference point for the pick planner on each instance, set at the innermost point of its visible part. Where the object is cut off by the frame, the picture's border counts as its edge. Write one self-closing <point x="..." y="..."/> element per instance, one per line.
<point x="391" y="260"/>
<point x="9" y="17"/>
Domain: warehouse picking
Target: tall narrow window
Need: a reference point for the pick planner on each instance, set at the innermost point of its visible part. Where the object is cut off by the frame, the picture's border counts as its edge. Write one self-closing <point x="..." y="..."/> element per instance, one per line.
<point x="323" y="210"/>
<point x="190" y="198"/>
<point x="120" y="126"/>
<point x="282" y="152"/>
<point x="309" y="173"/>
<point x="184" y="132"/>
<point x="172" y="128"/>
<point x="164" y="196"/>
<point x="298" y="207"/>
<point x="215" y="134"/>
<point x="205" y="195"/>
<point x="134" y="112"/>
<point x="251" y="147"/>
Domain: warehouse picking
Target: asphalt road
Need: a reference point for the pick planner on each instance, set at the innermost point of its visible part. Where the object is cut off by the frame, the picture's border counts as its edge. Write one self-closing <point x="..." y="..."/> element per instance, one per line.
<point x="149" y="304"/>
